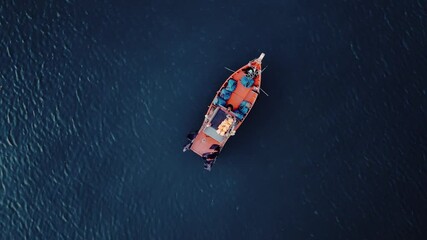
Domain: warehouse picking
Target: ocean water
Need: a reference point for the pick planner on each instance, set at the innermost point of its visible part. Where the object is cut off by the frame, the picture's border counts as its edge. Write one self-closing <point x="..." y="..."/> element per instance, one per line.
<point x="96" y="98"/>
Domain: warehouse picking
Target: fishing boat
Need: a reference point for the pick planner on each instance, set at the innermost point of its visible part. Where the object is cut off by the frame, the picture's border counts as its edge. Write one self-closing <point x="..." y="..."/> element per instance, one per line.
<point x="226" y="113"/>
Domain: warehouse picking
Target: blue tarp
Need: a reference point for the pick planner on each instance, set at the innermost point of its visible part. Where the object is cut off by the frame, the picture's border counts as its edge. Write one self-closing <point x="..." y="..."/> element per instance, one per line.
<point x="244" y="107"/>
<point x="225" y="94"/>
<point x="247" y="82"/>
<point x="239" y="115"/>
<point x="219" y="101"/>
<point x="231" y="85"/>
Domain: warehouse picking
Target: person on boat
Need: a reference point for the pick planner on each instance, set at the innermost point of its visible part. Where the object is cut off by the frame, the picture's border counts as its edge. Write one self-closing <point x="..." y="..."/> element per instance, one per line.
<point x="230" y="107"/>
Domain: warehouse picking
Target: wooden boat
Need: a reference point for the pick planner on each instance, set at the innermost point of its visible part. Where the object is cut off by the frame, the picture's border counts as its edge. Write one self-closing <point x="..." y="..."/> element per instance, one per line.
<point x="227" y="112"/>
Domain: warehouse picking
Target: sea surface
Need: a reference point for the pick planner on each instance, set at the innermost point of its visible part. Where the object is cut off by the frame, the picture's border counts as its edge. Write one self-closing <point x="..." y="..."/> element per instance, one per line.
<point x="97" y="97"/>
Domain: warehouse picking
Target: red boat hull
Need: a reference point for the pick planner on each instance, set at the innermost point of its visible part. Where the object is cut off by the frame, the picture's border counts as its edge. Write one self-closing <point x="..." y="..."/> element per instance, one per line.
<point x="223" y="120"/>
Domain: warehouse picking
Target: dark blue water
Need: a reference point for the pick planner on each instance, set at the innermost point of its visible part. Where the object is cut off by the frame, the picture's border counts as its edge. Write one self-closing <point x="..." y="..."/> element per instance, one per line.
<point x="96" y="99"/>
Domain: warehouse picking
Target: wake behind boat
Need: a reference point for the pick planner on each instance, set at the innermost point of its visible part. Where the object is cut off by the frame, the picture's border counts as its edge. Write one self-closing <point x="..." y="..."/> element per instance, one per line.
<point x="226" y="113"/>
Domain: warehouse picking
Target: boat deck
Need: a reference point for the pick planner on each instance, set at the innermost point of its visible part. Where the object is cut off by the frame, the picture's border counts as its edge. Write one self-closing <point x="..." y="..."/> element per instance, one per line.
<point x="202" y="143"/>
